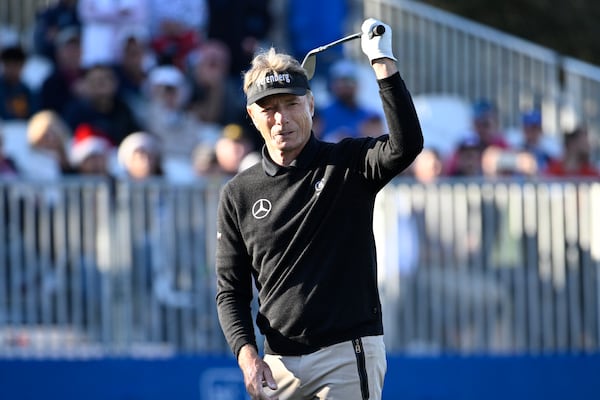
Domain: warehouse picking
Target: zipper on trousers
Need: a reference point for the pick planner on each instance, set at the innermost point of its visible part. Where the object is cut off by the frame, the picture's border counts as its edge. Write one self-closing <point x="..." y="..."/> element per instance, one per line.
<point x="362" y="367"/>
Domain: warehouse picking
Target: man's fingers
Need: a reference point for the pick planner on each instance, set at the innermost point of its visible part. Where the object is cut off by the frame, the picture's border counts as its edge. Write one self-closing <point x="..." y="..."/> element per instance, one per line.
<point x="268" y="379"/>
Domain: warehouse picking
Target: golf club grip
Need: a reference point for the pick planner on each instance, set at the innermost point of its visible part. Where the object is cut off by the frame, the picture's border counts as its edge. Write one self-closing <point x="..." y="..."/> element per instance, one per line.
<point x="377" y="30"/>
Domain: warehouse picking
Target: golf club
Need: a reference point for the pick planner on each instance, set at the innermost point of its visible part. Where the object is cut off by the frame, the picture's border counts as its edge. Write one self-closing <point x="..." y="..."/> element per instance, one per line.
<point x="310" y="60"/>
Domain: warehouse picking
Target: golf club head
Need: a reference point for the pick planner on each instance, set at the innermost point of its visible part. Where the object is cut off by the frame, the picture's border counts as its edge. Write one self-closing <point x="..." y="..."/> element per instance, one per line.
<point x="309" y="64"/>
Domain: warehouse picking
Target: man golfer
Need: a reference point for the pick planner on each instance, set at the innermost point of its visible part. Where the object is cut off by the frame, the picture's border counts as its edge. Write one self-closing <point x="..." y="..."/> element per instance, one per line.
<point x="300" y="225"/>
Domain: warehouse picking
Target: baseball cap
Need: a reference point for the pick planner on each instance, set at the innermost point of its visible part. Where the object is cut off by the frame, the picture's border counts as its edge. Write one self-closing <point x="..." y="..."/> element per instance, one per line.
<point x="483" y="107"/>
<point x="280" y="82"/>
<point x="343" y="69"/>
<point x="533" y="117"/>
<point x="166" y="75"/>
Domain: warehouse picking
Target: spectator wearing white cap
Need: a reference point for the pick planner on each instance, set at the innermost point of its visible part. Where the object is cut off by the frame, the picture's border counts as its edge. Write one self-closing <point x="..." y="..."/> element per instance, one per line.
<point x="140" y="156"/>
<point x="168" y="117"/>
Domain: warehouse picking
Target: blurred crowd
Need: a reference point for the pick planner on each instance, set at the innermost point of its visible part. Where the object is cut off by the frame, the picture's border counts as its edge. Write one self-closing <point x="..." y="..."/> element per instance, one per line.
<point x="133" y="88"/>
<point x="486" y="150"/>
<point x="140" y="88"/>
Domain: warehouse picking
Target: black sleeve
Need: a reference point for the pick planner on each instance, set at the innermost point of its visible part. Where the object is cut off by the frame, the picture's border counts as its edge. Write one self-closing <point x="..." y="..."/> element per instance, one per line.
<point x="234" y="279"/>
<point x="388" y="155"/>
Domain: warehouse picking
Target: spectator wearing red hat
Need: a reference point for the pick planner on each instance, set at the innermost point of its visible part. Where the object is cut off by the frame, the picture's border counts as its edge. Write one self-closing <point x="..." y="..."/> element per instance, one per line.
<point x="90" y="151"/>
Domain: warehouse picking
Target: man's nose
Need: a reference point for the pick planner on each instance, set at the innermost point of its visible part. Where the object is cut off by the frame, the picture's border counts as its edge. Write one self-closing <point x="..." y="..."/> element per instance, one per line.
<point x="280" y="117"/>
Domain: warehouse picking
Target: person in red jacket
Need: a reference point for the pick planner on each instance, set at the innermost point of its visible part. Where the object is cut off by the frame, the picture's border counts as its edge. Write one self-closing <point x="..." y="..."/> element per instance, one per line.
<point x="575" y="161"/>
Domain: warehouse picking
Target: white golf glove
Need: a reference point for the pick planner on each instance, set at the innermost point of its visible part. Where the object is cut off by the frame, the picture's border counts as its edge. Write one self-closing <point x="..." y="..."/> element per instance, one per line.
<point x="376" y="46"/>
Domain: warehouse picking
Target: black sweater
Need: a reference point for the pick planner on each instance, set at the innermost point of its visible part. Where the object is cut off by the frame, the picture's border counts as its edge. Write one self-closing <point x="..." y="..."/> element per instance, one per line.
<point x="305" y="234"/>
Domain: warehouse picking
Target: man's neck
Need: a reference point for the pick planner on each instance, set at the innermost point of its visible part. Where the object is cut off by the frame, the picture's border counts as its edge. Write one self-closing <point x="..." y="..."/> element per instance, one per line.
<point x="282" y="158"/>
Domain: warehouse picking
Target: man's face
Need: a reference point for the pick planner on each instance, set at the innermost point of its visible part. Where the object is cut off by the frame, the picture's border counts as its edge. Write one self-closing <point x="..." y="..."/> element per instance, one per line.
<point x="486" y="126"/>
<point x="101" y="83"/>
<point x="284" y="121"/>
<point x="12" y="70"/>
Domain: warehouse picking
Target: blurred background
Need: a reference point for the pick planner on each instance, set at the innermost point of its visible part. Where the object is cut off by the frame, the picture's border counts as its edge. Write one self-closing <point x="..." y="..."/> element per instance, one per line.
<point x="120" y="120"/>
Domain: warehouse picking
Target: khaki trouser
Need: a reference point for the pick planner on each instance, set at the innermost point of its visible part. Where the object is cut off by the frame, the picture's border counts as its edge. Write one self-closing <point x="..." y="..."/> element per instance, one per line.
<point x="352" y="370"/>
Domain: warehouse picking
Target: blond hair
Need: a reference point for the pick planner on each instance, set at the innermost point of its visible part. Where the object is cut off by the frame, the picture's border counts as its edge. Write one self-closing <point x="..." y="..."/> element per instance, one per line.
<point x="270" y="61"/>
<point x="43" y="121"/>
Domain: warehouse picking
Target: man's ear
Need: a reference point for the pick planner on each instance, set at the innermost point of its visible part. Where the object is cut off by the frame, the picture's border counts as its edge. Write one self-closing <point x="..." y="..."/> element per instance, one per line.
<point x="249" y="110"/>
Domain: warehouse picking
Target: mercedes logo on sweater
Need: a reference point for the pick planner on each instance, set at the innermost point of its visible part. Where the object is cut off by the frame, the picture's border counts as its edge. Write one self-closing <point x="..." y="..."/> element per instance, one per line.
<point x="261" y="208"/>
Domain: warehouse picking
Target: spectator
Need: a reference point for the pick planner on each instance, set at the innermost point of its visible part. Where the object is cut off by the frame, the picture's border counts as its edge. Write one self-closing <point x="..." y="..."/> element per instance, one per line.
<point x="48" y="135"/>
<point x="428" y="166"/>
<point x="241" y="31"/>
<point x="49" y="22"/>
<point x="177" y="28"/>
<point x="134" y="61"/>
<point x="344" y="115"/>
<point x="215" y="98"/>
<point x="468" y="158"/>
<point x="62" y="85"/>
<point x="534" y="140"/>
<point x="204" y="162"/>
<point x="486" y="131"/>
<point x="231" y="149"/>
<point x="17" y="101"/>
<point x="575" y="161"/>
<point x="372" y="126"/>
<point x="102" y="22"/>
<point x="168" y="118"/>
<point x="496" y="162"/>
<point x="308" y="29"/>
<point x="101" y="105"/>
<point x="486" y="124"/>
<point x="140" y="156"/>
<point x="90" y="151"/>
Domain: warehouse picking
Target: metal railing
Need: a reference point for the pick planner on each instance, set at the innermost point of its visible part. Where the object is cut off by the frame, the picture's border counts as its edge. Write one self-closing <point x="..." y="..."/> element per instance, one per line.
<point x="91" y="268"/>
<point x="496" y="267"/>
<point x="19" y="15"/>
